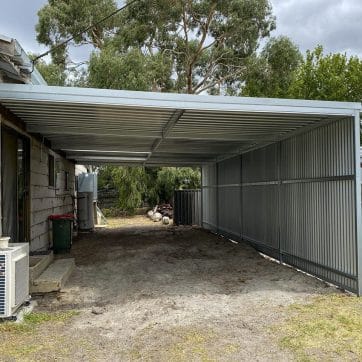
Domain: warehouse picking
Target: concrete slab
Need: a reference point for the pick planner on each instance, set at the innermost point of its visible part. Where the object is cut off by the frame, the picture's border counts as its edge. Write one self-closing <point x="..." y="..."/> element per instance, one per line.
<point x="54" y="277"/>
<point x="37" y="265"/>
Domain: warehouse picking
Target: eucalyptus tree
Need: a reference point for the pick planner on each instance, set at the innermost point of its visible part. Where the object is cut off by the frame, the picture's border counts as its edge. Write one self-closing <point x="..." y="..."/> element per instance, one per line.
<point x="199" y="45"/>
<point x="205" y="42"/>
<point x="59" y="20"/>
<point x="53" y="74"/>
<point x="273" y="71"/>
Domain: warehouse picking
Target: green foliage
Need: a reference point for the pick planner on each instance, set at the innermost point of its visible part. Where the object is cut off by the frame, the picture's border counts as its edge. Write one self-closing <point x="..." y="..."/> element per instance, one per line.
<point x="113" y="212"/>
<point x="131" y="70"/>
<point x="105" y="180"/>
<point x="77" y="77"/>
<point x="151" y="195"/>
<point x="172" y="178"/>
<point x="207" y="41"/>
<point x="177" y="45"/>
<point x="139" y="185"/>
<point x="131" y="185"/>
<point x="328" y="77"/>
<point x="52" y="73"/>
<point x="56" y="75"/>
<point x="61" y="19"/>
<point x="281" y="72"/>
<point x="272" y="73"/>
<point x="61" y="75"/>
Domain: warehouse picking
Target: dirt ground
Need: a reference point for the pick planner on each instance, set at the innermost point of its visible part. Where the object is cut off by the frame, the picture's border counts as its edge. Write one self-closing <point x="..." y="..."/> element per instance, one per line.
<point x="153" y="293"/>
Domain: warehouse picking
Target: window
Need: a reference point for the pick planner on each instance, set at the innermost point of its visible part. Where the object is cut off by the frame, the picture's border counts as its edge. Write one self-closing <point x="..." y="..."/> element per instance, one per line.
<point x="66" y="181"/>
<point x="51" y="170"/>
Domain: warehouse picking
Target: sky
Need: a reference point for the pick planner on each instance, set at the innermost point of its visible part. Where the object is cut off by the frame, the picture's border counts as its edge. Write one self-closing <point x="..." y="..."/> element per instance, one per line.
<point x="336" y="24"/>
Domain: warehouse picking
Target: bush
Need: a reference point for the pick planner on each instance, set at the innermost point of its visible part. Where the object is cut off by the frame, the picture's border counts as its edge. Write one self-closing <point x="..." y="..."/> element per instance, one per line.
<point x="113" y="212"/>
<point x="137" y="186"/>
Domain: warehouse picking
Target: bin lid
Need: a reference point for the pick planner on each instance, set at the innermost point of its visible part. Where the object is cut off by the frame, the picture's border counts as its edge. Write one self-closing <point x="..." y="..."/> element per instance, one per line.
<point x="61" y="217"/>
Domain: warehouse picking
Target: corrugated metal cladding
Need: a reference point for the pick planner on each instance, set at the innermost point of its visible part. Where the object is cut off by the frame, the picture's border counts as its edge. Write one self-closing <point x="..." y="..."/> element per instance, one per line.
<point x="209" y="194"/>
<point x="187" y="207"/>
<point x="293" y="200"/>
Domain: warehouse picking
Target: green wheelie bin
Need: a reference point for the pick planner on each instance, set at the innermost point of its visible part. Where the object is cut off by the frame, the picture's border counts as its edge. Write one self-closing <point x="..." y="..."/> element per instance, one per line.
<point x="62" y="232"/>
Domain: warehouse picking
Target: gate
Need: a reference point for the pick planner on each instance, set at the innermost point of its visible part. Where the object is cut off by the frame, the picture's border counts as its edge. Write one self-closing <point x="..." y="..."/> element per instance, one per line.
<point x="187" y="207"/>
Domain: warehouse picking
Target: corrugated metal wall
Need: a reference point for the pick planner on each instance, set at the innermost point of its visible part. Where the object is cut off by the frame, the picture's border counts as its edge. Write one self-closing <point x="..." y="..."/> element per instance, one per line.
<point x="229" y="196"/>
<point x="209" y="197"/>
<point x="187" y="207"/>
<point x="293" y="200"/>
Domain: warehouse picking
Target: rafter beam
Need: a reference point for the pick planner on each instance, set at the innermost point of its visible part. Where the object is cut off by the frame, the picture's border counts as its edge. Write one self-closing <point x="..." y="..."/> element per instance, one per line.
<point x="166" y="130"/>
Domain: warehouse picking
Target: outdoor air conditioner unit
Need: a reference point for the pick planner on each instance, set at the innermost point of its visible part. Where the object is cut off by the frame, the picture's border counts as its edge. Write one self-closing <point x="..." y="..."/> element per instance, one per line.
<point x="14" y="278"/>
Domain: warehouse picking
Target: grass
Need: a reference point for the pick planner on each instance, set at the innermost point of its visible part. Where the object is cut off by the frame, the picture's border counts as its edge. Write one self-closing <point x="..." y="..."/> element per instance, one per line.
<point x="31" y="320"/>
<point x="193" y="344"/>
<point x="183" y="344"/>
<point x="330" y="327"/>
<point x="21" y="341"/>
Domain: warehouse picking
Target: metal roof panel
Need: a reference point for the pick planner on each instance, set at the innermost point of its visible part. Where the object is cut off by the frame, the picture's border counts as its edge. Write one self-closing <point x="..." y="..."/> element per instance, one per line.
<point x="99" y="125"/>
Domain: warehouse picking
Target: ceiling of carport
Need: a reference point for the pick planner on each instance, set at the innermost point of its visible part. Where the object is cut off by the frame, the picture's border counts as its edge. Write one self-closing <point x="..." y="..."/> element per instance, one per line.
<point x="100" y="126"/>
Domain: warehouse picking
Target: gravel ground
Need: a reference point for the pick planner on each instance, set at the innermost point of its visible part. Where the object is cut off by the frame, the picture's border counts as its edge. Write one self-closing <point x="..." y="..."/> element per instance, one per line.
<point x="171" y="294"/>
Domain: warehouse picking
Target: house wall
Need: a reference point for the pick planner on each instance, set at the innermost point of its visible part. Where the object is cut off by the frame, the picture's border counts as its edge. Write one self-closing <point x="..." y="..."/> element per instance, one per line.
<point x="44" y="199"/>
<point x="294" y="200"/>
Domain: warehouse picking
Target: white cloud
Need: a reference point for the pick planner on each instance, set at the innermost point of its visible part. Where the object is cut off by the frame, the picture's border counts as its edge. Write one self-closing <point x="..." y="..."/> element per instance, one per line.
<point x="335" y="24"/>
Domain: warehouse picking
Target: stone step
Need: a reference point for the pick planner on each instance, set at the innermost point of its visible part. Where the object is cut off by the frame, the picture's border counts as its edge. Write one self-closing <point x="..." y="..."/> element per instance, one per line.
<point x="54" y="277"/>
<point x="37" y="265"/>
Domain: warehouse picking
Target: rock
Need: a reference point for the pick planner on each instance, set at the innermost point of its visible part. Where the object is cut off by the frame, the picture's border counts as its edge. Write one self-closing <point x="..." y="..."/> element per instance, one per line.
<point x="150" y="214"/>
<point x="165" y="220"/>
<point x="98" y="310"/>
<point x="156" y="216"/>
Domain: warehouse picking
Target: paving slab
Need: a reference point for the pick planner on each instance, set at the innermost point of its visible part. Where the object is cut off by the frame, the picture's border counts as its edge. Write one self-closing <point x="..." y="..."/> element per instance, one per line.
<point x="54" y="277"/>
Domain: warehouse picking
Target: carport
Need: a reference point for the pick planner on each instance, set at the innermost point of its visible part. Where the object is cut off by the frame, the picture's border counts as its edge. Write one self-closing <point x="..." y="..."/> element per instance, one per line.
<point x="283" y="175"/>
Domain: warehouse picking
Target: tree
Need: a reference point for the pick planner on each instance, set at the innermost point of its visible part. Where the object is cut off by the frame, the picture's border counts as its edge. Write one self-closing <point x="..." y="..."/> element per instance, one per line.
<point x="59" y="75"/>
<point x="61" y="19"/>
<point x="272" y="72"/>
<point x="207" y="41"/>
<point x="105" y="180"/>
<point x="53" y="74"/>
<point x="139" y="185"/>
<point x="132" y="70"/>
<point x="130" y="184"/>
<point x="328" y="77"/>
<point x="203" y="44"/>
<point x="172" y="178"/>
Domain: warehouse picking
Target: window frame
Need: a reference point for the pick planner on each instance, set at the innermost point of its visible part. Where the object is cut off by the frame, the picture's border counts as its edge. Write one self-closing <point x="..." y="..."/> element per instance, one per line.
<point x="51" y="171"/>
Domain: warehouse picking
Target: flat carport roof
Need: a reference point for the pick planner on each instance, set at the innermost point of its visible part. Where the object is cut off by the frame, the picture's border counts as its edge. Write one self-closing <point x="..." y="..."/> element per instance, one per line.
<point x="127" y="127"/>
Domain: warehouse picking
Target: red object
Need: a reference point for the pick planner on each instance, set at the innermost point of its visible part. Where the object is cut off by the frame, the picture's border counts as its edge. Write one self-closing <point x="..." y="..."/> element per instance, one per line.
<point x="62" y="217"/>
